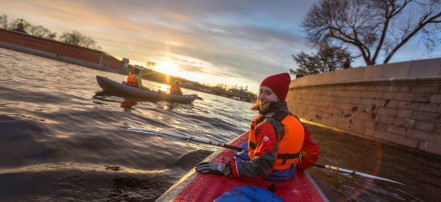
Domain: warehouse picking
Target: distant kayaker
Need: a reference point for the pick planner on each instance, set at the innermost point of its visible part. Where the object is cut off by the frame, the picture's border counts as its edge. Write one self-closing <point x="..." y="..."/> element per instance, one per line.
<point x="276" y="139"/>
<point x="176" y="88"/>
<point x="134" y="79"/>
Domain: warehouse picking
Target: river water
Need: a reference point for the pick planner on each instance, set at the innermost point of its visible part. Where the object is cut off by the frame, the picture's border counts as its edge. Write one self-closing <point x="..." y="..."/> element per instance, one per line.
<point x="62" y="139"/>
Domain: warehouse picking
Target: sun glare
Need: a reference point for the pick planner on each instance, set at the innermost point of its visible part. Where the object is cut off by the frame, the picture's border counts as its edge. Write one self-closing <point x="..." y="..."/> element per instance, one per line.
<point x="164" y="87"/>
<point x="168" y="67"/>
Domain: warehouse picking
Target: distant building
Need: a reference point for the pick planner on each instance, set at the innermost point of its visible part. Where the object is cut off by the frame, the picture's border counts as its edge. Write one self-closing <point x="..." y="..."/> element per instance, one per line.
<point x="239" y="94"/>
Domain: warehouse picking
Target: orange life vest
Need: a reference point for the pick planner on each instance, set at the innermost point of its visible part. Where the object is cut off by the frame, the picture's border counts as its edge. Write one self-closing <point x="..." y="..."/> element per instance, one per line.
<point x="131" y="80"/>
<point x="290" y="141"/>
<point x="175" y="89"/>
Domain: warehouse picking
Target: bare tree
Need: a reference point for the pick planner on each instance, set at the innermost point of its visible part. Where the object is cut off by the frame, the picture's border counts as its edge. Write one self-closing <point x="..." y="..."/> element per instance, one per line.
<point x="327" y="58"/>
<point x="374" y="27"/>
<point x="76" y="38"/>
<point x="73" y="37"/>
<point x="27" y="27"/>
<point x="20" y="24"/>
<point x="4" y="21"/>
<point x="41" y="32"/>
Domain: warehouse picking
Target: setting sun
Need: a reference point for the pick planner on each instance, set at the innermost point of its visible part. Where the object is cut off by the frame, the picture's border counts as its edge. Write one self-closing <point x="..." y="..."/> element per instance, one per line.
<point x="164" y="88"/>
<point x="168" y="67"/>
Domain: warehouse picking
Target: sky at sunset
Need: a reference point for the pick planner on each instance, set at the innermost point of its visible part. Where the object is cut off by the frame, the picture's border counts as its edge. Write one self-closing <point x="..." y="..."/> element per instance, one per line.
<point x="213" y="42"/>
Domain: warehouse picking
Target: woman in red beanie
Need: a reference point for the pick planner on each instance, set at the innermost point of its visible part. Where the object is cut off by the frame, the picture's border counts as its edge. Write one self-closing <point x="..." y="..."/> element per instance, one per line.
<point x="275" y="138"/>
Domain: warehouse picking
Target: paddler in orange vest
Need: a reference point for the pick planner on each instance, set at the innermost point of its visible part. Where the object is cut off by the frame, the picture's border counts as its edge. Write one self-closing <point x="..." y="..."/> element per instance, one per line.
<point x="134" y="79"/>
<point x="175" y="88"/>
<point x="275" y="138"/>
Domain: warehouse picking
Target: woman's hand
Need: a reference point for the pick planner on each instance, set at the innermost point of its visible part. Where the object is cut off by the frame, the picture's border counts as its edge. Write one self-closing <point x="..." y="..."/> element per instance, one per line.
<point x="214" y="168"/>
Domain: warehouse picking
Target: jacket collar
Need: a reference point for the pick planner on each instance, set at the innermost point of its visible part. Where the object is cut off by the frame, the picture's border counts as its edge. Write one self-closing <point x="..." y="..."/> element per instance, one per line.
<point x="275" y="107"/>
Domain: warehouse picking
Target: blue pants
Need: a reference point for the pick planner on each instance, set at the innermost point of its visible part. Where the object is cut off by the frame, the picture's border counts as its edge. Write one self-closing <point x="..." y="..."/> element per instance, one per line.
<point x="276" y="175"/>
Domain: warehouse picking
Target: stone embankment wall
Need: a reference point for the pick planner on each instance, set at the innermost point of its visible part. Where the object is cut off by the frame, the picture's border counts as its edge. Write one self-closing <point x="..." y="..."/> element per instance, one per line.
<point x="58" y="50"/>
<point x="396" y="103"/>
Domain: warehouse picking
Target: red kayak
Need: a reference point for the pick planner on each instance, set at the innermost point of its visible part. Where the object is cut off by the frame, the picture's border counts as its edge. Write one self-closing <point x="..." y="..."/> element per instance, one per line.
<point x="206" y="187"/>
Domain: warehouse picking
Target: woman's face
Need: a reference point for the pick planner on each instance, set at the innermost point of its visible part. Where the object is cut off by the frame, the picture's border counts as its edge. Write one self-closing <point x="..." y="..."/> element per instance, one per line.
<point x="266" y="96"/>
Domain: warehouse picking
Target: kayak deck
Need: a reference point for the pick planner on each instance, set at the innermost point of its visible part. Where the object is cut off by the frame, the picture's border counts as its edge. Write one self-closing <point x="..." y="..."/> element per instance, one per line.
<point x="206" y="187"/>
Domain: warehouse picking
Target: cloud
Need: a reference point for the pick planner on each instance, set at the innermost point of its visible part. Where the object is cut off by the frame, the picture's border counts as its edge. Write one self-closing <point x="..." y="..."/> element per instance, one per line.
<point x="229" y="40"/>
<point x="237" y="39"/>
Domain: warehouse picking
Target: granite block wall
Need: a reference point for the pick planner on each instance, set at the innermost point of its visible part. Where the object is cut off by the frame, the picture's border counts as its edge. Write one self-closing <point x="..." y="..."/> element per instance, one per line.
<point x="396" y="103"/>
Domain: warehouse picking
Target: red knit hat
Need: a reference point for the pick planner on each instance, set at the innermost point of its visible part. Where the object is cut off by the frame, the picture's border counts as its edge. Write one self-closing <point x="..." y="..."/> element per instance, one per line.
<point x="279" y="84"/>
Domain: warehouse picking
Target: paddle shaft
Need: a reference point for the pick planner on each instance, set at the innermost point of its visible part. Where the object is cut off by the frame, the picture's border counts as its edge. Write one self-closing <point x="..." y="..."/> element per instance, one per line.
<point x="353" y="172"/>
<point x="185" y="137"/>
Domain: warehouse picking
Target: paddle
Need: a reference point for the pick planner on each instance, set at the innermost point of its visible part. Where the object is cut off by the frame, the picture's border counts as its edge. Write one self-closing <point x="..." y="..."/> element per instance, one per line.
<point x="354" y="172"/>
<point x="219" y="144"/>
<point x="184" y="137"/>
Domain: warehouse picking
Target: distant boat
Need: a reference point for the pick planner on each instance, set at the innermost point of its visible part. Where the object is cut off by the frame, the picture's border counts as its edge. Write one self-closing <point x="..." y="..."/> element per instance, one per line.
<point x="117" y="88"/>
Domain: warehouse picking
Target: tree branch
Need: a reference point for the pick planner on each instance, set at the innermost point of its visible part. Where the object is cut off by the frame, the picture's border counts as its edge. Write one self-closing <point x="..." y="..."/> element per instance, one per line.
<point x="415" y="31"/>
